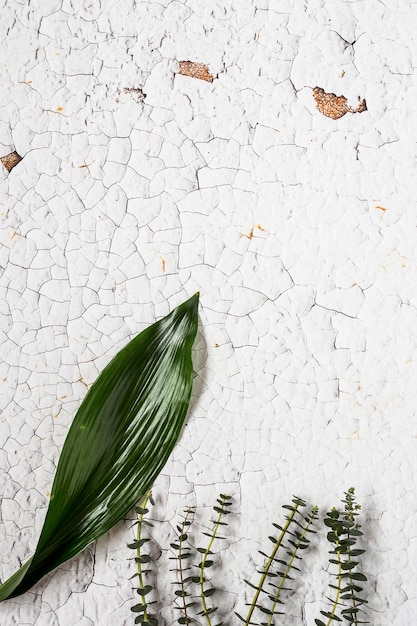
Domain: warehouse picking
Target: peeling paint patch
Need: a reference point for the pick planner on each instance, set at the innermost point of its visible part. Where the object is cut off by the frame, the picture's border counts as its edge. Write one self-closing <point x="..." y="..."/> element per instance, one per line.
<point x="195" y="70"/>
<point x="334" y="106"/>
<point x="136" y="93"/>
<point x="11" y="160"/>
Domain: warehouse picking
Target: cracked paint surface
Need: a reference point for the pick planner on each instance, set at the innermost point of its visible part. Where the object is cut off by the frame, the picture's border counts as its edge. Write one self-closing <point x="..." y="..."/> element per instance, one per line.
<point x="140" y="186"/>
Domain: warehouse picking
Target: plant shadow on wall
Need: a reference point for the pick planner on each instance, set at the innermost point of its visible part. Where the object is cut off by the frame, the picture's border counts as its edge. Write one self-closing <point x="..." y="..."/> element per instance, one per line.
<point x="194" y="591"/>
<point x="199" y="377"/>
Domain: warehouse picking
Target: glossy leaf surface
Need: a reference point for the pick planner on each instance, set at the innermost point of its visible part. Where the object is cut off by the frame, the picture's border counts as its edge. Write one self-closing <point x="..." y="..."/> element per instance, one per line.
<point x="120" y="438"/>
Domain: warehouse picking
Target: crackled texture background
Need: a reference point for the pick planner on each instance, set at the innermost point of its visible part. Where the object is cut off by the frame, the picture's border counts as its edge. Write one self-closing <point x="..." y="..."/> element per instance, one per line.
<point x="139" y="186"/>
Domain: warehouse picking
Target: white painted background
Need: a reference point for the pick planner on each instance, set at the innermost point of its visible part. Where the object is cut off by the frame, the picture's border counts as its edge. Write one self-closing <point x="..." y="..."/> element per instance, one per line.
<point x="306" y="357"/>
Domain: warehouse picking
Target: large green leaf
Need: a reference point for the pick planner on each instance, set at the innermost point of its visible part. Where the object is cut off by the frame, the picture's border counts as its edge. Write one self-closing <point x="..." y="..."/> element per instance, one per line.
<point x="120" y="439"/>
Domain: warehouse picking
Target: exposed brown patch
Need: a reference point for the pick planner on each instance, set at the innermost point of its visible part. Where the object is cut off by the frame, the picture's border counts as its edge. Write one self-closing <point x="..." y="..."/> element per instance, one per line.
<point x="335" y="106"/>
<point x="195" y="70"/>
<point x="136" y="92"/>
<point x="11" y="160"/>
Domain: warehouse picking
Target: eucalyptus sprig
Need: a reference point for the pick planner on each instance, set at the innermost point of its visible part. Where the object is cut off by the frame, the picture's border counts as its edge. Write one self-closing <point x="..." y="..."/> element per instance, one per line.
<point x="343" y="535"/>
<point x="194" y="591"/>
<point x="298" y="540"/>
<point x="144" y="616"/>
<point x="221" y="509"/>
<point x="182" y="548"/>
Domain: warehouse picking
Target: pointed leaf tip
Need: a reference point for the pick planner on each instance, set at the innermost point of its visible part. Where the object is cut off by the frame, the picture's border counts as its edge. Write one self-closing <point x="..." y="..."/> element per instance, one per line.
<point x="120" y="438"/>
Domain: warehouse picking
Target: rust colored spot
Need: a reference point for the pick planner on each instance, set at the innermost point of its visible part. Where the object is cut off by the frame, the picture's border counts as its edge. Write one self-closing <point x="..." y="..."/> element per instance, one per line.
<point x="163" y="263"/>
<point x="334" y="106"/>
<point x="57" y="110"/>
<point x="136" y="92"/>
<point x="85" y="165"/>
<point x="380" y="208"/>
<point x="195" y="70"/>
<point x="251" y="234"/>
<point x="11" y="160"/>
<point x="216" y="345"/>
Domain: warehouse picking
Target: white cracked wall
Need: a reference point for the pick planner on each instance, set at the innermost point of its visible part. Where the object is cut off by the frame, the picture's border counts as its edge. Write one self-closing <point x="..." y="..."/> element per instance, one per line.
<point x="298" y="230"/>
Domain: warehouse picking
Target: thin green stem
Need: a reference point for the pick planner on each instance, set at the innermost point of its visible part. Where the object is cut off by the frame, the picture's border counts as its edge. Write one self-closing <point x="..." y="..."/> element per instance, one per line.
<point x="290" y="563"/>
<point x="138" y="553"/>
<point x="180" y="567"/>
<point x="351" y="518"/>
<point x="269" y="563"/>
<point x="339" y="582"/>
<point x="354" y="605"/>
<point x="204" y="559"/>
<point x="343" y="535"/>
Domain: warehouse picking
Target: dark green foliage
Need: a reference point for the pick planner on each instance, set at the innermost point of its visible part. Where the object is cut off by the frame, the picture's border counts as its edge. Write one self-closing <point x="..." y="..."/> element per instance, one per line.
<point x="193" y="594"/>
<point x="343" y="535"/>
<point x="119" y="440"/>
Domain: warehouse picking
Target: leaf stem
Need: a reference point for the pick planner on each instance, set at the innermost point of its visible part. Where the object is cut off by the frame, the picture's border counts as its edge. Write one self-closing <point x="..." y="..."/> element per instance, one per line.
<point x="300" y="540"/>
<point x="339" y="582"/>
<point x="220" y="511"/>
<point x="343" y="534"/>
<point x="138" y="553"/>
<point x="184" y="525"/>
<point x="270" y="561"/>
<point x="351" y="510"/>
